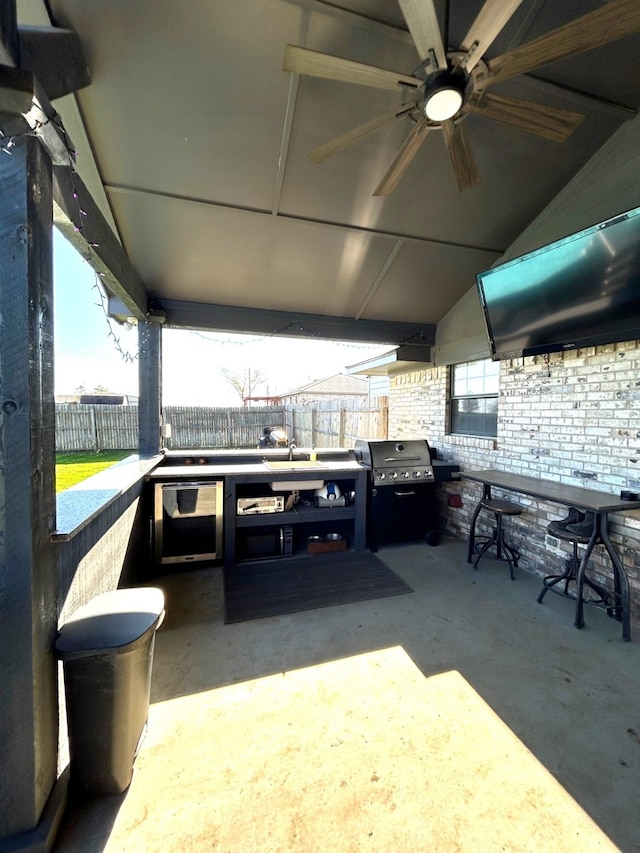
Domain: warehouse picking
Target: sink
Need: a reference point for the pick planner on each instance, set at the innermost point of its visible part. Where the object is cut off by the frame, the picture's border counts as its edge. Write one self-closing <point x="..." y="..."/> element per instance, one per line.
<point x="290" y="466"/>
<point x="294" y="465"/>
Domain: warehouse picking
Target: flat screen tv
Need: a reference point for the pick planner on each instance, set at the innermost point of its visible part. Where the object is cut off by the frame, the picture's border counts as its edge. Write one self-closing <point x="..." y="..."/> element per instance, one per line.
<point x="580" y="291"/>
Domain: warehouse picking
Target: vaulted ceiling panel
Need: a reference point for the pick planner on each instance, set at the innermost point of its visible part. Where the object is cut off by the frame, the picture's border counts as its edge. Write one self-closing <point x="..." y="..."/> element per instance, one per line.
<point x="224" y="254"/>
<point x="202" y="139"/>
<point x="186" y="104"/>
<point x="431" y="277"/>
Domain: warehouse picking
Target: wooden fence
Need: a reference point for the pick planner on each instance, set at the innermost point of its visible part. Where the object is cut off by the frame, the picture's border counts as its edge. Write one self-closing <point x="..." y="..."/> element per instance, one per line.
<point x="337" y="425"/>
<point x="96" y="427"/>
<point x="330" y="424"/>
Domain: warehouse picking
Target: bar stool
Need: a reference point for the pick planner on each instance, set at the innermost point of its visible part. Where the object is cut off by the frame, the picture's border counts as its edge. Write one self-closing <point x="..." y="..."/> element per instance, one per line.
<point x="567" y="582"/>
<point x="504" y="551"/>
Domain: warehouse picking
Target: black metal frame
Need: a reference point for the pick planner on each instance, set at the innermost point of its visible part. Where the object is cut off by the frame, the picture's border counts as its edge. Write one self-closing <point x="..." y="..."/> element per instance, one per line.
<point x="599" y="536"/>
<point x="504" y="551"/>
<point x="570" y="576"/>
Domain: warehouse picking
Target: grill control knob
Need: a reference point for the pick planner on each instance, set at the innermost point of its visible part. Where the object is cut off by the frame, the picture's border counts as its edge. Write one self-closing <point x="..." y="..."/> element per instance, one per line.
<point x="405" y="475"/>
<point x="417" y="474"/>
<point x="393" y="475"/>
<point x="380" y="475"/>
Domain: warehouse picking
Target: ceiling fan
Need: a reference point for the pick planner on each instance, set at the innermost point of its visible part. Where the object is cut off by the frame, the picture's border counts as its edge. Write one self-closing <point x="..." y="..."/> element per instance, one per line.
<point x="450" y="84"/>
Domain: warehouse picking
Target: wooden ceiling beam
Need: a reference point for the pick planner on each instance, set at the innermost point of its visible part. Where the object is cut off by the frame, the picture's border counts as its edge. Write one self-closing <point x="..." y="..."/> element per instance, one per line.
<point x="226" y="318"/>
<point x="9" y="41"/>
<point x="53" y="54"/>
<point x="79" y="218"/>
<point x="25" y="108"/>
<point x="56" y="58"/>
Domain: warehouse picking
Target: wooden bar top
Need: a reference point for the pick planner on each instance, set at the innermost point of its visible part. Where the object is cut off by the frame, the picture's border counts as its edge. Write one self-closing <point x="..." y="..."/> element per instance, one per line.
<point x="550" y="490"/>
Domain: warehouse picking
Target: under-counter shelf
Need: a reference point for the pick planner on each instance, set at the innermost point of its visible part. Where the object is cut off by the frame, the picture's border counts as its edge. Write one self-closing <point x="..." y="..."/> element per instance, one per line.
<point x="297" y="515"/>
<point x="251" y="480"/>
<point x="303" y="520"/>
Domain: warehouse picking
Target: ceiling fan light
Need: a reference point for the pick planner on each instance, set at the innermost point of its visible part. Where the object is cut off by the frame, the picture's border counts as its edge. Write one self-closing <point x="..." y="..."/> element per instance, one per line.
<point x="443" y="97"/>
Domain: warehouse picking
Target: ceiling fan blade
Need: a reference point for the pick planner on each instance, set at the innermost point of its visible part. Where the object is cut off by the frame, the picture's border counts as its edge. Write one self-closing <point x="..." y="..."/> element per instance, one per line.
<point x="462" y="160"/>
<point x="299" y="60"/>
<point x="616" y="19"/>
<point x="403" y="158"/>
<point x="330" y="148"/>
<point x="493" y="16"/>
<point x="548" y="122"/>
<point x="422" y="21"/>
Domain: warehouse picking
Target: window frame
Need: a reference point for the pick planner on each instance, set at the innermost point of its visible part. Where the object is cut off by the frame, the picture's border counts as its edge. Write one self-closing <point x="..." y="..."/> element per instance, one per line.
<point x="485" y="378"/>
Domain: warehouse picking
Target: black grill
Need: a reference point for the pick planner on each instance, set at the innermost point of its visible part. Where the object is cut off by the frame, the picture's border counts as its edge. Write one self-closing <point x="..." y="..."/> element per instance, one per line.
<point x="401" y="499"/>
<point x="394" y="462"/>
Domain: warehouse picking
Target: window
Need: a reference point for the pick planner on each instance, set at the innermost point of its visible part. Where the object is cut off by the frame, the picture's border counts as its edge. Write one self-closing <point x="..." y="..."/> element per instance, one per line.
<point x="474" y="398"/>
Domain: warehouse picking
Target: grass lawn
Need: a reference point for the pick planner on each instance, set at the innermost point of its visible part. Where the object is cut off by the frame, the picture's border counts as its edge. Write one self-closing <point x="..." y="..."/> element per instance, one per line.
<point x="72" y="468"/>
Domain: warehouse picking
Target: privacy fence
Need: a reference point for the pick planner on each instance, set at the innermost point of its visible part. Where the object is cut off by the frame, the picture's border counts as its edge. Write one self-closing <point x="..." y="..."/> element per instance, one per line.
<point x="327" y="424"/>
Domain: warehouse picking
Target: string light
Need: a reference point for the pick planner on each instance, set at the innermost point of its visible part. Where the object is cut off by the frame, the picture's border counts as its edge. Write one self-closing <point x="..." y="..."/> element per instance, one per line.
<point x="211" y="338"/>
<point x="98" y="276"/>
<point x="294" y="324"/>
<point x="90" y="257"/>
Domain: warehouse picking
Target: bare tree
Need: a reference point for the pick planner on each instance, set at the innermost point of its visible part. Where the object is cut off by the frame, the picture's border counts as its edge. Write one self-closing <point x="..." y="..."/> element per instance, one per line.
<point x="244" y="383"/>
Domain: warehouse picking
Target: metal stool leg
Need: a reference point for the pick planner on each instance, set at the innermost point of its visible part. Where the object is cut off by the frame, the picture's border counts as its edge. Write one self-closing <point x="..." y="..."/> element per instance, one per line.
<point x="504" y="551"/>
<point x="572" y="564"/>
<point x="485" y="547"/>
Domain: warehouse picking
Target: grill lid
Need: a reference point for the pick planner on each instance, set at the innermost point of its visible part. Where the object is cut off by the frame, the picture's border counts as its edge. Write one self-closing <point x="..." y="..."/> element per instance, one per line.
<point x="395" y="461"/>
<point x="385" y="453"/>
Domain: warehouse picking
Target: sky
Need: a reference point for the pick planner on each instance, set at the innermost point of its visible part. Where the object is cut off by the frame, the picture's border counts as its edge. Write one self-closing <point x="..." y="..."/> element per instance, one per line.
<point x="92" y="351"/>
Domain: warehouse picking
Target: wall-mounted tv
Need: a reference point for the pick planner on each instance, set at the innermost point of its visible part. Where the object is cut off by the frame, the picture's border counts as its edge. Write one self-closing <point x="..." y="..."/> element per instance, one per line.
<point x="580" y="291"/>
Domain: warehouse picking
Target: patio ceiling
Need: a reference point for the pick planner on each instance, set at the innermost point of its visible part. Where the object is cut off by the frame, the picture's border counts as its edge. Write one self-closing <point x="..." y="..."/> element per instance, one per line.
<point x="193" y="141"/>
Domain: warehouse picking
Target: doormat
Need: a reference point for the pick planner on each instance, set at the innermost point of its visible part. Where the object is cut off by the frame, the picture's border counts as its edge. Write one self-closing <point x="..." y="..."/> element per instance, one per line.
<point x="290" y="585"/>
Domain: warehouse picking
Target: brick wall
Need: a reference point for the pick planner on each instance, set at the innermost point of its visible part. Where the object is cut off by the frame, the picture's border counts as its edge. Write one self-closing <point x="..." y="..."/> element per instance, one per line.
<point x="570" y="417"/>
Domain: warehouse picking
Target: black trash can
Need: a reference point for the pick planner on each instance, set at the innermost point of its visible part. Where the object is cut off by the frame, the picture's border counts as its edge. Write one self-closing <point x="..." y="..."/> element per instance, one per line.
<point x="107" y="651"/>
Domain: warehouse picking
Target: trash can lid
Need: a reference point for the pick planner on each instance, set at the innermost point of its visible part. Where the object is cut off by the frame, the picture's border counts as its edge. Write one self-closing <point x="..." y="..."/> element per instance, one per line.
<point x="111" y="622"/>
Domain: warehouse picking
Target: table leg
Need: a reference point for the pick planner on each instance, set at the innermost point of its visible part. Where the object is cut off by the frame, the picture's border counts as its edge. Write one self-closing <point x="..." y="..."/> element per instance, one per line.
<point x="622" y="608"/>
<point x="621" y="582"/>
<point x="486" y="493"/>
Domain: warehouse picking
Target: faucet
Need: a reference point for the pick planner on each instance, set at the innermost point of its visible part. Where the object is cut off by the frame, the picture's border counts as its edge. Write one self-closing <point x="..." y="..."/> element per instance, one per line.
<point x="292" y="447"/>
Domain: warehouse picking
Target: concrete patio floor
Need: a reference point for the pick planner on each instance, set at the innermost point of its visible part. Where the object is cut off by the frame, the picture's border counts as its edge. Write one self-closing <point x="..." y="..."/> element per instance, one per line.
<point x="349" y="728"/>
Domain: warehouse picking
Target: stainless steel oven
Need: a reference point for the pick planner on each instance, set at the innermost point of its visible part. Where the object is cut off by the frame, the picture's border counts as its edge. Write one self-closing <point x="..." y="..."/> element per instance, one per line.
<point x="188" y="521"/>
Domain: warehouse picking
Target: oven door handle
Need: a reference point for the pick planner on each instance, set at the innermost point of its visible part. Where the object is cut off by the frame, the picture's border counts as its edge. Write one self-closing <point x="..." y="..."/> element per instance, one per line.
<point x="404" y="494"/>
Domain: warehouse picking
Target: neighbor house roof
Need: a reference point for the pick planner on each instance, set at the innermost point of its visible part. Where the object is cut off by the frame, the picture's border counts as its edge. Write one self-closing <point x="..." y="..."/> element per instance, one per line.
<point x="340" y="385"/>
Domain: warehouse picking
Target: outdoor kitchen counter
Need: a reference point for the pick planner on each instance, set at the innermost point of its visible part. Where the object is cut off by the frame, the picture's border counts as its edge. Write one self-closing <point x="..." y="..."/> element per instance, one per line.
<point x="80" y="505"/>
<point x="244" y="474"/>
<point x="255" y="467"/>
<point x="327" y="468"/>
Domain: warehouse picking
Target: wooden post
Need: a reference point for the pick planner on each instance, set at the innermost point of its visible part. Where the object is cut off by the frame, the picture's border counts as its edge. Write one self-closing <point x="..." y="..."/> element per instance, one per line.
<point x="94" y="430"/>
<point x="28" y="578"/>
<point x="342" y="417"/>
<point x="150" y="378"/>
<point x="384" y="422"/>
